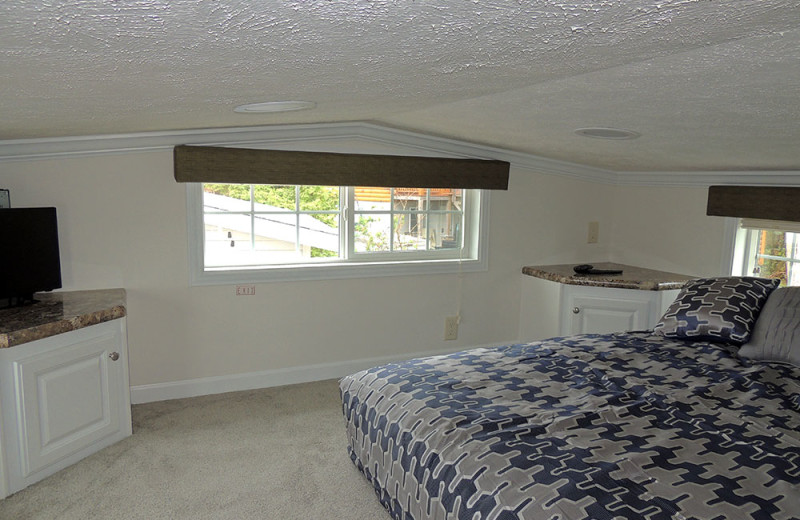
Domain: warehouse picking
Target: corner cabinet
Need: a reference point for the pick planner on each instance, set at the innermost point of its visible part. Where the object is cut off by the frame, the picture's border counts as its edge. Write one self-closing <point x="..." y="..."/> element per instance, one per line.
<point x="62" y="398"/>
<point x="555" y="302"/>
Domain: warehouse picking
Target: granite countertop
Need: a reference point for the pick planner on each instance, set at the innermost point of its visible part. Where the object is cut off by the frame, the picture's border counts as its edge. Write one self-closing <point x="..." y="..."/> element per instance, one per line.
<point x="631" y="277"/>
<point x="59" y="312"/>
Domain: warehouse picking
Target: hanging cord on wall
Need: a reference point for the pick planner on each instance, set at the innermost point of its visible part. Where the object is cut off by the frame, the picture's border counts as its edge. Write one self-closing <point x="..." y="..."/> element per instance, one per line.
<point x="460" y="288"/>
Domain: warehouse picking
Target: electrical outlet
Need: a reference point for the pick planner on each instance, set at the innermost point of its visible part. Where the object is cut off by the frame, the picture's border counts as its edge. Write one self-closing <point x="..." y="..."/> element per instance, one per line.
<point x="245" y="290"/>
<point x="451" y="327"/>
<point x="594" y="232"/>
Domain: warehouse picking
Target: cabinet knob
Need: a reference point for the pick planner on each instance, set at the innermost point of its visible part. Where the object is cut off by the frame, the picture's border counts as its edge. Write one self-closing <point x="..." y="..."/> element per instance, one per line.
<point x="114" y="356"/>
<point x="576" y="310"/>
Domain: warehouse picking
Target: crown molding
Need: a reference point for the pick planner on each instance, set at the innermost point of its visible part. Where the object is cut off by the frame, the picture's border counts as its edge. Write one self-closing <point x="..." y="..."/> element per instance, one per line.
<point x="64" y="147"/>
<point x="478" y="151"/>
<point x="710" y="178"/>
<point x="82" y="146"/>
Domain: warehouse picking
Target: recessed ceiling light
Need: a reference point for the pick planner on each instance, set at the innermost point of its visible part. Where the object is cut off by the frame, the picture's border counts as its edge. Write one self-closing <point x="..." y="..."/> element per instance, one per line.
<point x="607" y="133"/>
<point x="274" y="106"/>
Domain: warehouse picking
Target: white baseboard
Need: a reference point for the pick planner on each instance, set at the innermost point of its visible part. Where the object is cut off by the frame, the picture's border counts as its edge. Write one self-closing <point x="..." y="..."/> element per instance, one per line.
<point x="267" y="378"/>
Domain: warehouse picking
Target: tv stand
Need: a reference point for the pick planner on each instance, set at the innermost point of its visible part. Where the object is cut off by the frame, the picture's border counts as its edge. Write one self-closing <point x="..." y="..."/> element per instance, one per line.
<point x="64" y="391"/>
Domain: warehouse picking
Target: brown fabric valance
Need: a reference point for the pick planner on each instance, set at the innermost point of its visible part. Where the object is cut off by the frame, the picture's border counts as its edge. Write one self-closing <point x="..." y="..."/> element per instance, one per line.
<point x="252" y="166"/>
<point x="760" y="202"/>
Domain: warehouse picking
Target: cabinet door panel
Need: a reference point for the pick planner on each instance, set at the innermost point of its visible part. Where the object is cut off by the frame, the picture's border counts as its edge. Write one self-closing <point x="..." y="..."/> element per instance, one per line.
<point x="69" y="403"/>
<point x="602" y="317"/>
<point x="594" y="310"/>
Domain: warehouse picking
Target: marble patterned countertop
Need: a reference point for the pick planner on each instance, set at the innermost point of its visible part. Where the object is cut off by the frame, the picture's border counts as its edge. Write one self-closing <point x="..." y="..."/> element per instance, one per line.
<point x="631" y="277"/>
<point x="59" y="312"/>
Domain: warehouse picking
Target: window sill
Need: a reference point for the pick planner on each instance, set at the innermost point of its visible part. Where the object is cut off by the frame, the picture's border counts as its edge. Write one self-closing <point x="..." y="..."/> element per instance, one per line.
<point x="200" y="276"/>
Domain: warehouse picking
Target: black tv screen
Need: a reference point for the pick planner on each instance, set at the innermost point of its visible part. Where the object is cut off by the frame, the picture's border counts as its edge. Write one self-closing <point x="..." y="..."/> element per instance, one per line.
<point x="29" y="257"/>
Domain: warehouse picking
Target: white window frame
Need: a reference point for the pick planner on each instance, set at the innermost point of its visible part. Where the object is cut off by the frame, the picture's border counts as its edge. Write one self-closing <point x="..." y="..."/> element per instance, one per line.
<point x="474" y="254"/>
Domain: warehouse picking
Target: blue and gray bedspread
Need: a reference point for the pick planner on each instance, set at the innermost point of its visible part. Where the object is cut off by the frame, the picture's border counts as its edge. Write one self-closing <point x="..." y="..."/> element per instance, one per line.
<point x="621" y="426"/>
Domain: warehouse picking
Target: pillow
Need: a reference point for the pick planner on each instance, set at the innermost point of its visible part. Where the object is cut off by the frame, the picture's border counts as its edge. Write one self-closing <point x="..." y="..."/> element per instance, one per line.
<point x="716" y="309"/>
<point x="776" y="336"/>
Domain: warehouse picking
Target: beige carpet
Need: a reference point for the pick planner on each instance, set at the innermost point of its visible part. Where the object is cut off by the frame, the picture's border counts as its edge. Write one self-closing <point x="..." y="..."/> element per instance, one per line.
<point x="263" y="454"/>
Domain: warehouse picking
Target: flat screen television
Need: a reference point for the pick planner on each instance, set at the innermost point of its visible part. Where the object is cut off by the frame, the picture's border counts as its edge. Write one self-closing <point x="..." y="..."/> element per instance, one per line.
<point x="29" y="256"/>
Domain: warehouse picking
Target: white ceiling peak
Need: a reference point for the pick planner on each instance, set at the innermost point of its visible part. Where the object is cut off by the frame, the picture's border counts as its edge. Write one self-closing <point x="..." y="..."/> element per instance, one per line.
<point x="710" y="85"/>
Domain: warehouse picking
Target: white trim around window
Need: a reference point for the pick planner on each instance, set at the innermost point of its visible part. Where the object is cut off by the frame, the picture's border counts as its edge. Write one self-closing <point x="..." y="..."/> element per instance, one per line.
<point x="474" y="257"/>
<point x="730" y="261"/>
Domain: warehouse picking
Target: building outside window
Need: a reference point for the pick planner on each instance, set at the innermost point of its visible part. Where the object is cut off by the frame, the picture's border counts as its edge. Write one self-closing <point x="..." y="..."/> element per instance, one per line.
<point x="407" y="219"/>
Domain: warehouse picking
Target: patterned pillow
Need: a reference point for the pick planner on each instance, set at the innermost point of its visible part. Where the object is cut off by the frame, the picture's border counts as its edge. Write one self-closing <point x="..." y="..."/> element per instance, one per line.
<point x="776" y="336"/>
<point x="716" y="309"/>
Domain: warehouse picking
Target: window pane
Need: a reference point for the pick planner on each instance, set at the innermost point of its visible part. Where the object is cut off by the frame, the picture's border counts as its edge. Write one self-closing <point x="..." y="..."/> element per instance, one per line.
<point x="446" y="199"/>
<point x="227" y="239"/>
<point x="319" y="198"/>
<point x="275" y="197"/>
<point x="232" y="191"/>
<point x="276" y="232"/>
<point x="410" y="232"/>
<point x="371" y="233"/>
<point x="372" y="199"/>
<point x="410" y="199"/>
<point x="446" y="228"/>
<point x="777" y="256"/>
<point x="451" y="240"/>
<point x="319" y="235"/>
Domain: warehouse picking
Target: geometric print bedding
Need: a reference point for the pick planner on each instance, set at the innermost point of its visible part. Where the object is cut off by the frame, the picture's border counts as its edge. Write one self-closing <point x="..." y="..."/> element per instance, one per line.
<point x="620" y="426"/>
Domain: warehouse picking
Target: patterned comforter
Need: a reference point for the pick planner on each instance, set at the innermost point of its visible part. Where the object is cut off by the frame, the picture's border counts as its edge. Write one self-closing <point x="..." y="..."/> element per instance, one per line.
<point x="621" y="426"/>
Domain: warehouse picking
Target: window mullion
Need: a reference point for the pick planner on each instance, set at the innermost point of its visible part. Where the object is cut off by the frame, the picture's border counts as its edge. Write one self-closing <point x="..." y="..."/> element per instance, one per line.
<point x="391" y="220"/>
<point x="297" y="247"/>
<point x="426" y="216"/>
<point x="252" y="218"/>
<point x="466" y="200"/>
<point x="348" y="248"/>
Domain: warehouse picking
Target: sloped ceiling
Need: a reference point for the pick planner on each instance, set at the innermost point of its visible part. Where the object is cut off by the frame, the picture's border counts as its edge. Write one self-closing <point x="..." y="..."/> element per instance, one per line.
<point x="710" y="85"/>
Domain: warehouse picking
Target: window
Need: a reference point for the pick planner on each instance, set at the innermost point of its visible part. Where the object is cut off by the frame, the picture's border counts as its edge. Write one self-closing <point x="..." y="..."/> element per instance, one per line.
<point x="768" y="249"/>
<point x="259" y="232"/>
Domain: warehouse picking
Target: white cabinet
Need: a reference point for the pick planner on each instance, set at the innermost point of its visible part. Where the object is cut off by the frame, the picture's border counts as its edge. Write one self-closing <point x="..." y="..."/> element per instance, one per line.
<point x="600" y="310"/>
<point x="551" y="308"/>
<point x="61" y="399"/>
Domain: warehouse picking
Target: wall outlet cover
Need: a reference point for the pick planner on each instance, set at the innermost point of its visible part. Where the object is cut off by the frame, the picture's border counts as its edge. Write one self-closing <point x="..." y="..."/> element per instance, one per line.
<point x="594" y="232"/>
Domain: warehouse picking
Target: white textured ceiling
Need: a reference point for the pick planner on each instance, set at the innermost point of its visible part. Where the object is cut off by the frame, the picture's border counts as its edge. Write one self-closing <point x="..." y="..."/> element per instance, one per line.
<point x="710" y="85"/>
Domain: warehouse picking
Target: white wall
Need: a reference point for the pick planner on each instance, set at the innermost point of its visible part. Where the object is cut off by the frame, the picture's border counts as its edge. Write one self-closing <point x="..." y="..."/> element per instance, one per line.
<point x="666" y="228"/>
<point x="123" y="224"/>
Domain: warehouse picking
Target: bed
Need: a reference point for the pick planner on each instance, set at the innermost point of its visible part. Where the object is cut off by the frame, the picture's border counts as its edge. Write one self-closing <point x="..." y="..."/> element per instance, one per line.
<point x="668" y="424"/>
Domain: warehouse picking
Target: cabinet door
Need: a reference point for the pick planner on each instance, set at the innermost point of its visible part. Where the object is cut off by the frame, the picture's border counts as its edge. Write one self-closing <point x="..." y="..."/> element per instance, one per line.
<point x="588" y="310"/>
<point x="71" y="399"/>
